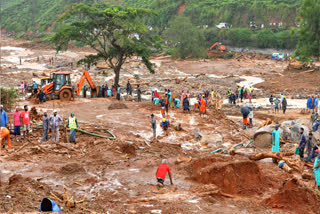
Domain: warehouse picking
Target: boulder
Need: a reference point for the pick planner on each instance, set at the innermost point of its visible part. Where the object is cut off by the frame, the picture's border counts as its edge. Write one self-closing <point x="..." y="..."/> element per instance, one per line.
<point x="211" y="140"/>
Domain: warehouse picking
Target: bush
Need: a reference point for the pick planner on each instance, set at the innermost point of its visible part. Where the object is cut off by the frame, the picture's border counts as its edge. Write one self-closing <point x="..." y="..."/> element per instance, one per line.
<point x="8" y="98"/>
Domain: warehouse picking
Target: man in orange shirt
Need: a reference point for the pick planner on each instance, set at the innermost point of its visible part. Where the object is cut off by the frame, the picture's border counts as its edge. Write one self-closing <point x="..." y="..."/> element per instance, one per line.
<point x="26" y="118"/>
<point x="203" y="104"/>
<point x="166" y="103"/>
<point x="5" y="134"/>
<point x="162" y="171"/>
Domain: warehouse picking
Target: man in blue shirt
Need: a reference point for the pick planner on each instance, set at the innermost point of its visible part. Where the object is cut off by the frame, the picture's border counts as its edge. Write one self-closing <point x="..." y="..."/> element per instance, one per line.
<point x="164" y="125"/>
<point x="3" y="117"/>
<point x="302" y="142"/>
<point x="35" y="87"/>
<point x="276" y="142"/>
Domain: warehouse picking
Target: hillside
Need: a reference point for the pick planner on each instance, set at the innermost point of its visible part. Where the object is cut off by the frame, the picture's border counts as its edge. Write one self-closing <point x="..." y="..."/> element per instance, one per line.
<point x="25" y="15"/>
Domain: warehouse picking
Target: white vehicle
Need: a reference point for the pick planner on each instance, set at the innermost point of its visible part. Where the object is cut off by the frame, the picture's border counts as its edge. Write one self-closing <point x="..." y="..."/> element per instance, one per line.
<point x="222" y="25"/>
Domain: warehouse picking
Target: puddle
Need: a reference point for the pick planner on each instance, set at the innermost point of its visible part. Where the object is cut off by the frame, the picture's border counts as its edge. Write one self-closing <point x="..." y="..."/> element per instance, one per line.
<point x="250" y="81"/>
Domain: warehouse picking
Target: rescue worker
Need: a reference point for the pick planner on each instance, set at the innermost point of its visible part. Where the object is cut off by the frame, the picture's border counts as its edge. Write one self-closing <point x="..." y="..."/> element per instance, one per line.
<point x="284" y="104"/>
<point x="165" y="125"/>
<point x="5" y="134"/>
<point x="35" y="87"/>
<point x="166" y="103"/>
<point x="203" y="104"/>
<point x="55" y="123"/>
<point x="276" y="142"/>
<point x="161" y="173"/>
<point x="139" y="93"/>
<point x="73" y="126"/>
<point x="163" y="107"/>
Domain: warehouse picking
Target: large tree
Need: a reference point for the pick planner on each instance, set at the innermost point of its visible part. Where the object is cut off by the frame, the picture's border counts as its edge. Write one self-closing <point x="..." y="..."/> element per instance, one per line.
<point x="115" y="33"/>
<point x="309" y="32"/>
<point x="187" y="39"/>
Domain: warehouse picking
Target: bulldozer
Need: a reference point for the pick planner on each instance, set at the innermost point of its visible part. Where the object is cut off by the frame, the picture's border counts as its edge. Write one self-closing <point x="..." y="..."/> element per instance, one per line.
<point x="61" y="87"/>
<point x="219" y="47"/>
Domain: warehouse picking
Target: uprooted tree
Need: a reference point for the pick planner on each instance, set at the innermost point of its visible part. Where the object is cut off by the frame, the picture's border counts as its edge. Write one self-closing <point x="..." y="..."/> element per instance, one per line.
<point x="115" y="33"/>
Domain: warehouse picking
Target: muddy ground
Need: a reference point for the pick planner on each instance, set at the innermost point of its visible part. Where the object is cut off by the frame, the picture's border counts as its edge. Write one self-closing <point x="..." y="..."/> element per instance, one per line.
<point x="118" y="176"/>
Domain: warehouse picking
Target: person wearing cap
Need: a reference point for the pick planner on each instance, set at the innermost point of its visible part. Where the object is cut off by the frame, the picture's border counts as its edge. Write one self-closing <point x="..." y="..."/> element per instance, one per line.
<point x="161" y="172"/>
<point x="45" y="126"/>
<point x="276" y="142"/>
<point x="154" y="126"/>
<point x="72" y="125"/>
<point x="16" y="122"/>
<point x="276" y="105"/>
<point x="284" y="104"/>
<point x="316" y="169"/>
<point x="3" y="117"/>
<point x="165" y="125"/>
<point x="203" y="104"/>
<point x="26" y="118"/>
<point x="55" y="123"/>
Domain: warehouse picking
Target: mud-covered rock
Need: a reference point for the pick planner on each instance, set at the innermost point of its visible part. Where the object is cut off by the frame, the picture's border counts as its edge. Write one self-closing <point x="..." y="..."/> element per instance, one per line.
<point x="211" y="140"/>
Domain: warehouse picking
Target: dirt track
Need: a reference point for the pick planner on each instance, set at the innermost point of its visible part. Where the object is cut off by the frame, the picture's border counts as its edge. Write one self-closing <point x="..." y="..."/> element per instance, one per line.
<point x="118" y="176"/>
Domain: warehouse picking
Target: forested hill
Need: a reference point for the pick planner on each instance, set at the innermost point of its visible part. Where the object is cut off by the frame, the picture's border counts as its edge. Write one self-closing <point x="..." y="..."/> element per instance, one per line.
<point x="26" y="15"/>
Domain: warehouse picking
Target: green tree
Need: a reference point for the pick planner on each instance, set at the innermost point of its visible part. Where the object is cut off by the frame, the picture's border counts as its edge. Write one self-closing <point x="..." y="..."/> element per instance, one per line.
<point x="115" y="33"/>
<point x="187" y="39"/>
<point x="309" y="32"/>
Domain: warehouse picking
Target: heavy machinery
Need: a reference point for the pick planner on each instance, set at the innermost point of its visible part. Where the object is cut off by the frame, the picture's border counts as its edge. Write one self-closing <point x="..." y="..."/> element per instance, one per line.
<point x="61" y="87"/>
<point x="219" y="47"/>
<point x="45" y="81"/>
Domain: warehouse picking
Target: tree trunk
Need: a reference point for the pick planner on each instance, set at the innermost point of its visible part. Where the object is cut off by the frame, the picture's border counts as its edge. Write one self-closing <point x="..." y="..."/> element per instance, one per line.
<point x="117" y="76"/>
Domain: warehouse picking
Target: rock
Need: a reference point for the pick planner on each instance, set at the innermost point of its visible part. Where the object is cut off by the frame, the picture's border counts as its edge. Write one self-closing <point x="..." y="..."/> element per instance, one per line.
<point x="211" y="140"/>
<point x="178" y="127"/>
<point x="197" y="133"/>
<point x="117" y="106"/>
<point x="306" y="175"/>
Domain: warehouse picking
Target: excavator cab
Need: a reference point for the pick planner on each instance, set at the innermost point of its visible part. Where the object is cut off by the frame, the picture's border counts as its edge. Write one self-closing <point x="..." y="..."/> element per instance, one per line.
<point x="61" y="79"/>
<point x="45" y="81"/>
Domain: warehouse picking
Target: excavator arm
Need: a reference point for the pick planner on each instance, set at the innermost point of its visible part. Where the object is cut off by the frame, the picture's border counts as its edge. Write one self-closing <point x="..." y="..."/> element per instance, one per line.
<point x="215" y="44"/>
<point x="84" y="77"/>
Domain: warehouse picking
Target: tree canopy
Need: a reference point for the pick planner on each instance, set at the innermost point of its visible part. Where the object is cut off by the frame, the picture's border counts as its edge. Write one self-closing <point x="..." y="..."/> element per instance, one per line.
<point x="186" y="38"/>
<point x="309" y="32"/>
<point x="115" y="33"/>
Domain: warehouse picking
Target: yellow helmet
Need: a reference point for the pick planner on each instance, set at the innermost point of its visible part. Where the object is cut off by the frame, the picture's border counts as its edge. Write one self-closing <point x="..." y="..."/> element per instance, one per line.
<point x="163" y="120"/>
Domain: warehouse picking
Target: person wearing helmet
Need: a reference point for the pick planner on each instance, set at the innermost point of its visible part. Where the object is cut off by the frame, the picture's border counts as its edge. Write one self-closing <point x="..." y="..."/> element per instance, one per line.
<point x="72" y="125"/>
<point x="203" y="104"/>
<point x="55" y="123"/>
<point x="164" y="125"/>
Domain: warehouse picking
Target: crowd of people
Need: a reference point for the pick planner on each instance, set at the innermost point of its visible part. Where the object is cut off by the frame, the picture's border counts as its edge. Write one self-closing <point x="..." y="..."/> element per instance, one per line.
<point x="23" y="119"/>
<point x="277" y="104"/>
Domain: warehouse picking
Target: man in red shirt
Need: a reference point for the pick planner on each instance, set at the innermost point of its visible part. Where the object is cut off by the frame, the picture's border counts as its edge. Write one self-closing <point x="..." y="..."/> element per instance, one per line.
<point x="162" y="171"/>
<point x="25" y="115"/>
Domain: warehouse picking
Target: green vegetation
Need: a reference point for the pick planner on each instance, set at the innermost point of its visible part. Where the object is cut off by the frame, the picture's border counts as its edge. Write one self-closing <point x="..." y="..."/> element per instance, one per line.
<point x="309" y="33"/>
<point x="8" y="97"/>
<point x="187" y="39"/>
<point x="115" y="33"/>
